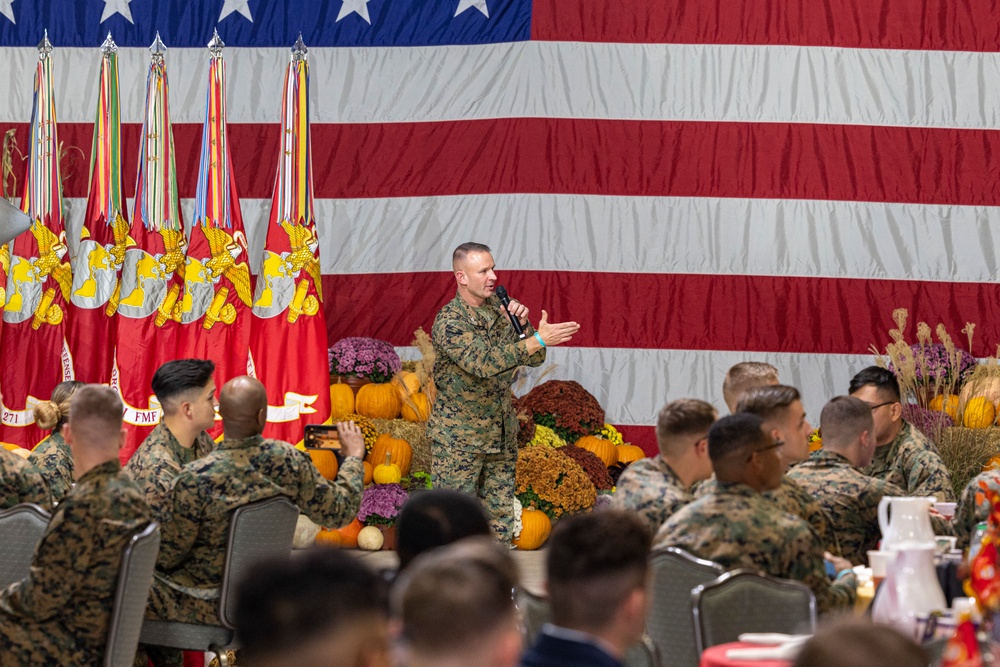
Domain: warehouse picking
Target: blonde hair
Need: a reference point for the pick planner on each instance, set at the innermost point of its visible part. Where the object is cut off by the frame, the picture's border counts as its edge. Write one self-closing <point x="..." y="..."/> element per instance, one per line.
<point x="743" y="377"/>
<point x="50" y="415"/>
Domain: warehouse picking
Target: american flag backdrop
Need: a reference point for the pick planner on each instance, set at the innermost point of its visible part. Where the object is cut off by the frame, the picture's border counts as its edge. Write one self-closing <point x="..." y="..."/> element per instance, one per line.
<point x="697" y="183"/>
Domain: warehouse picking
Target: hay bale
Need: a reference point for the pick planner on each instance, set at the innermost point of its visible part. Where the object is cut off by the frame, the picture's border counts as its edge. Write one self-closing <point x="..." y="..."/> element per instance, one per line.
<point x="414" y="433"/>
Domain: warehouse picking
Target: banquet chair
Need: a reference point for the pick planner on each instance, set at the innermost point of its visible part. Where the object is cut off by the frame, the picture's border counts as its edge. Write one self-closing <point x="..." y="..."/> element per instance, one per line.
<point x="533" y="612"/>
<point x="670" y="625"/>
<point x="131" y="595"/>
<point x="21" y="529"/>
<point x="748" y="601"/>
<point x="257" y="531"/>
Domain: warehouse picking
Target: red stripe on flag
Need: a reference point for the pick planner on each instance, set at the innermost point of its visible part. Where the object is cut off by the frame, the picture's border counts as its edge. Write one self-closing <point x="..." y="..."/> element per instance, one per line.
<point x="973" y="25"/>
<point x="643" y="436"/>
<point x="637" y="158"/>
<point x="671" y="311"/>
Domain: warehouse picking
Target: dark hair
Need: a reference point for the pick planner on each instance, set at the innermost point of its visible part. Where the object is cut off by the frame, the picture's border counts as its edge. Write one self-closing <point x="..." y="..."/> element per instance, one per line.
<point x="843" y="419"/>
<point x="766" y="402"/>
<point x="179" y="376"/>
<point x="735" y="433"/>
<point x="880" y="378"/>
<point x="595" y="561"/>
<point x="432" y="519"/>
<point x="685" y="416"/>
<point x="466" y="248"/>
<point x="287" y="601"/>
<point x="856" y="643"/>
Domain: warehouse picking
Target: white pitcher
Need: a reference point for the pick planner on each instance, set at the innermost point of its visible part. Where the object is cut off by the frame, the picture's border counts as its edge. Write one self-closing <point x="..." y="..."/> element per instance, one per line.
<point x="910" y="589"/>
<point x="910" y="524"/>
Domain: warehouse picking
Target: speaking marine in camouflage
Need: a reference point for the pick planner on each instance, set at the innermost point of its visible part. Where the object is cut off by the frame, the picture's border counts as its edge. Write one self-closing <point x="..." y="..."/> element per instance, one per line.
<point x="52" y="455"/>
<point x="657" y="487"/>
<point x="186" y="392"/>
<point x="21" y="482"/>
<point x="903" y="455"/>
<point x="473" y="428"/>
<point x="59" y="613"/>
<point x="737" y="527"/>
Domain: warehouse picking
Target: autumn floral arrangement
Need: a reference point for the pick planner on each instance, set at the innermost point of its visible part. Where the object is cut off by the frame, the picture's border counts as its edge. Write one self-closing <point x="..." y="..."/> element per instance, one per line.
<point x="380" y="504"/>
<point x="368" y="429"/>
<point x="565" y="407"/>
<point x="550" y="481"/>
<point x="593" y="466"/>
<point x="369" y="358"/>
<point x="546" y="437"/>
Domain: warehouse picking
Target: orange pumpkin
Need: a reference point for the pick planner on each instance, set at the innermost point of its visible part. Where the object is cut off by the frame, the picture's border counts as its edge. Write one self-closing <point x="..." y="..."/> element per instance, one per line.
<point x="604" y="449"/>
<point x="416" y="407"/>
<point x="325" y="461"/>
<point x="399" y="450"/>
<point x="406" y="383"/>
<point x="535" y="529"/>
<point x="369" y="472"/>
<point x="630" y="454"/>
<point x="330" y="538"/>
<point x="349" y="534"/>
<point x="378" y="401"/>
<point x="341" y="400"/>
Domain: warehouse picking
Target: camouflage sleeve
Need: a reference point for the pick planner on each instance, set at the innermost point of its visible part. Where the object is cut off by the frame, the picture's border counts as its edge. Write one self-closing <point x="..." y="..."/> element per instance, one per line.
<point x="180" y="528"/>
<point x="965" y="519"/>
<point x="538" y="358"/>
<point x="813" y="513"/>
<point x="34" y="489"/>
<point x="473" y="353"/>
<point x="807" y="566"/>
<point x="928" y="476"/>
<point x="331" y="504"/>
<point x="59" y="567"/>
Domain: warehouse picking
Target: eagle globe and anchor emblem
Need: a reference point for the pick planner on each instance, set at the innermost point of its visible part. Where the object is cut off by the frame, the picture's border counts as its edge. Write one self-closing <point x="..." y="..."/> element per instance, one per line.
<point x="28" y="299"/>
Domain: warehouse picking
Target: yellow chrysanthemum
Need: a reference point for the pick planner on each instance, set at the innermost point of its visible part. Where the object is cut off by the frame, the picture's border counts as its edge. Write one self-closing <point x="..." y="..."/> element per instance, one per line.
<point x="546" y="437"/>
<point x="368" y="429"/>
<point x="609" y="432"/>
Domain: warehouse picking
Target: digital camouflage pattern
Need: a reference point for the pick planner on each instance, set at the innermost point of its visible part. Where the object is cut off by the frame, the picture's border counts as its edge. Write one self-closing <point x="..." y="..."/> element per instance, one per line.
<point x="59" y="614"/>
<point x="973" y="507"/>
<point x="478" y="353"/>
<point x="193" y="545"/>
<point x="52" y="456"/>
<point x="911" y="462"/>
<point x="652" y="489"/>
<point x="738" y="527"/>
<point x="21" y="482"/>
<point x="159" y="459"/>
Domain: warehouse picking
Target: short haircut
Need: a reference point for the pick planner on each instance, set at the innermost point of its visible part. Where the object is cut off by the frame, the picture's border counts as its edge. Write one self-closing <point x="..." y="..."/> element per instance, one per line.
<point x="747" y="375"/>
<point x="767" y="402"/>
<point x="843" y="419"/>
<point x="431" y="519"/>
<point x="95" y="415"/>
<point x="735" y="433"/>
<point x="859" y="643"/>
<point x="594" y="563"/>
<point x="683" y="417"/>
<point x="53" y="413"/>
<point x="453" y="598"/>
<point x="179" y="377"/>
<point x="467" y="248"/>
<point x="289" y="601"/>
<point x="881" y="378"/>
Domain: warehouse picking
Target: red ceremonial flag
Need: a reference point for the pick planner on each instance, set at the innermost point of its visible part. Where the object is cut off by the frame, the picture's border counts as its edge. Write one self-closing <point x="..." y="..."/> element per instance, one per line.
<point x="288" y="339"/>
<point x="149" y="298"/>
<point x="33" y="346"/>
<point x="104" y="238"/>
<point x="217" y="289"/>
<point x="962" y="649"/>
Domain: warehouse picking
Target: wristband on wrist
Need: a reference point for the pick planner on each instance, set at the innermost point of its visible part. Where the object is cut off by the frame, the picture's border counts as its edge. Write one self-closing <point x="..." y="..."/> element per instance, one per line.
<point x="538" y="337"/>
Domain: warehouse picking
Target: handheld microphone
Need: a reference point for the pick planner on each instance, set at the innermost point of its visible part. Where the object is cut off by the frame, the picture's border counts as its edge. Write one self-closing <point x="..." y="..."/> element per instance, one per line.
<point x="501" y="293"/>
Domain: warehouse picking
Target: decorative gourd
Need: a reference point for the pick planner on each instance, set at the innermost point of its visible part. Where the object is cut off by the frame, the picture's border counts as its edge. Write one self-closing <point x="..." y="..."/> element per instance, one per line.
<point x="349" y="533"/>
<point x="378" y="401"/>
<point x="416" y="407"/>
<point x="370" y="538"/>
<point x="947" y="403"/>
<point x="406" y="383"/>
<point x="630" y="454"/>
<point x="369" y="471"/>
<point x="399" y="449"/>
<point x="979" y="413"/>
<point x="604" y="449"/>
<point x="325" y="461"/>
<point x="341" y="400"/>
<point x="535" y="529"/>
<point x="388" y="472"/>
<point x="988" y="387"/>
<point x="330" y="538"/>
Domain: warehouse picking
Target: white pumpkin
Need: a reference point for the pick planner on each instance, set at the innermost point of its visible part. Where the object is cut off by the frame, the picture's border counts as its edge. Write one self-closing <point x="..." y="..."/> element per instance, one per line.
<point x="370" y="538"/>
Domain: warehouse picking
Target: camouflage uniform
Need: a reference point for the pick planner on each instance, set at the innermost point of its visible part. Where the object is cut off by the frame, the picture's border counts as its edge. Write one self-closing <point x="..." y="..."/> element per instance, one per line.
<point x="21" y="482"/>
<point x="738" y="527"/>
<point x="973" y="507"/>
<point x="652" y="489"/>
<point x="912" y="462"/>
<point x="792" y="498"/>
<point x="159" y="460"/>
<point x="52" y="456"/>
<point x="59" y="614"/>
<point x="473" y="427"/>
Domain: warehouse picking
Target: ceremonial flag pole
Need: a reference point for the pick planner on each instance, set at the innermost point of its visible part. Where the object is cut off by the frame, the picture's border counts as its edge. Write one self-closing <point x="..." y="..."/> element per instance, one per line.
<point x="33" y="345"/>
<point x="215" y="310"/>
<point x="288" y="337"/>
<point x="104" y="238"/>
<point x="149" y="298"/>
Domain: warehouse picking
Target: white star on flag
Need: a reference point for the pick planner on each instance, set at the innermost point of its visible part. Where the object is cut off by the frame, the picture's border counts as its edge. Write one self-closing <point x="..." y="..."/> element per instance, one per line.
<point x="112" y="7"/>
<point x="7" y="10"/>
<point x="469" y="4"/>
<point x="241" y="6"/>
<point x="359" y="7"/>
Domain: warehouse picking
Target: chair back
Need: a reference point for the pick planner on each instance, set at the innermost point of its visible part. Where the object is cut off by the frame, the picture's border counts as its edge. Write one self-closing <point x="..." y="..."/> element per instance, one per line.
<point x="21" y="529"/>
<point x="747" y="601"/>
<point x="131" y="595"/>
<point x="534" y="611"/>
<point x="670" y="624"/>
<point x="642" y="654"/>
<point x="257" y="531"/>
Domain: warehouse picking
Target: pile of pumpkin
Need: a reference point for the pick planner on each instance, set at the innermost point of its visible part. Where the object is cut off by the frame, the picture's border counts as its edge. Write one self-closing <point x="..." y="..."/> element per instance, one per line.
<point x="977" y="406"/>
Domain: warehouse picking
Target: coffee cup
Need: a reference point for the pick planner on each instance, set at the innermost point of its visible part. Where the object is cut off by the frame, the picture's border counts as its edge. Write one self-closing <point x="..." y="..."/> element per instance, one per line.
<point x="880" y="562"/>
<point x="947" y="510"/>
